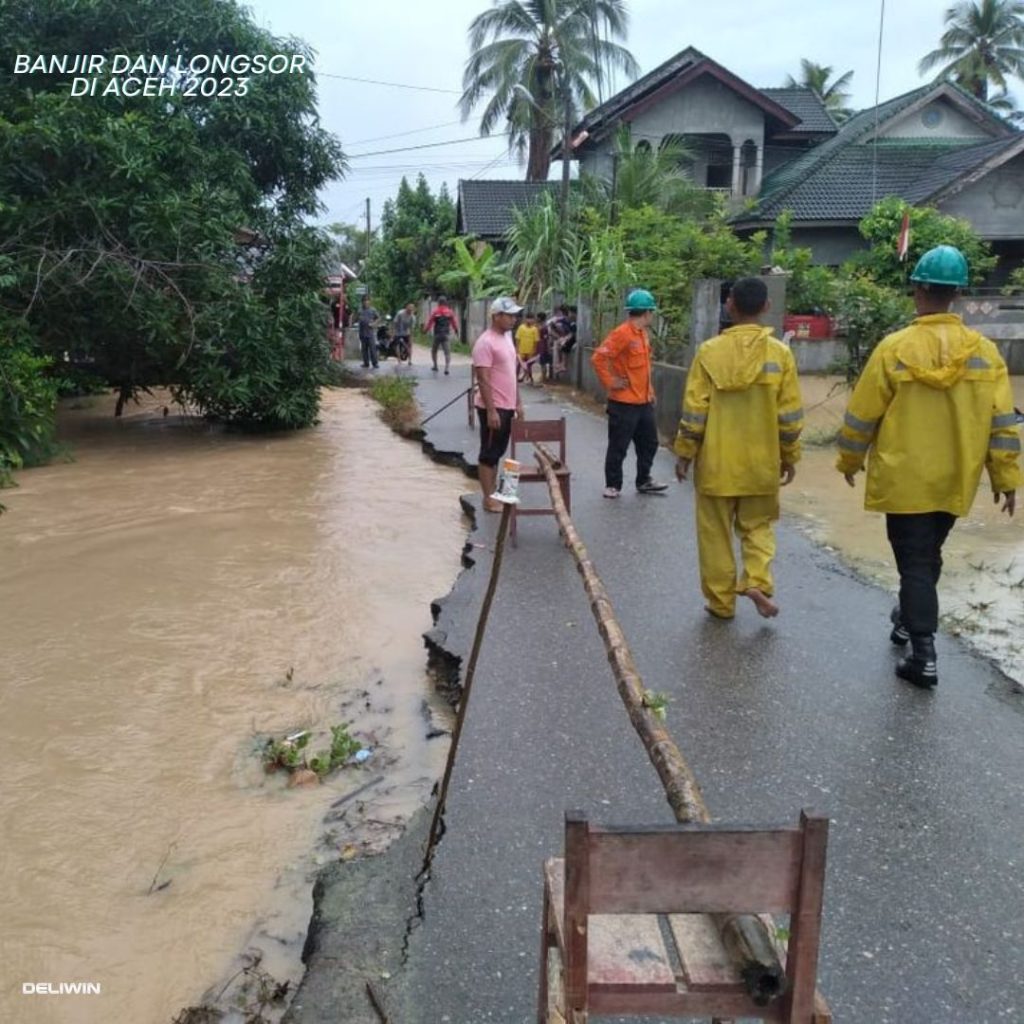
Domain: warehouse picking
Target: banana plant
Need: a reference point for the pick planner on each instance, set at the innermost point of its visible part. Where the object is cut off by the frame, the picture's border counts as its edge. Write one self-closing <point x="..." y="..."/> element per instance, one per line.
<point x="479" y="273"/>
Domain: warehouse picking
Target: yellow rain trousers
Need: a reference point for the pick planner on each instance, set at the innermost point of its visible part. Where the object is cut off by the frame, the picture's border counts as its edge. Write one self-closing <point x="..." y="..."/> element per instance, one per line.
<point x="741" y="422"/>
<point x="934" y="407"/>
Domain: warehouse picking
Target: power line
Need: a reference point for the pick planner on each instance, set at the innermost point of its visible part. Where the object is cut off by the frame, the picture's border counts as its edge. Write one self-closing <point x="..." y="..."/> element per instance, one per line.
<point x="394" y="85"/>
<point x="425" y="145"/>
<point x="397" y="135"/>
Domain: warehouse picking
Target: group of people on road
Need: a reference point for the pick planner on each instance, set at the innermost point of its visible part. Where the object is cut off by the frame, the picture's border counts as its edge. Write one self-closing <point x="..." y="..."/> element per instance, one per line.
<point x="441" y="325"/>
<point x="932" y="408"/>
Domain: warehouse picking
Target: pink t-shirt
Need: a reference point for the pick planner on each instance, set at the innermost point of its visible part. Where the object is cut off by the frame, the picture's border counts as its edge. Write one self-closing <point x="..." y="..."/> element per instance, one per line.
<point x="498" y="353"/>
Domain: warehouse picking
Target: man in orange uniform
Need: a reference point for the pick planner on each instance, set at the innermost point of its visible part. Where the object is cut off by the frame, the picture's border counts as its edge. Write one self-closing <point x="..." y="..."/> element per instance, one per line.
<point x="623" y="364"/>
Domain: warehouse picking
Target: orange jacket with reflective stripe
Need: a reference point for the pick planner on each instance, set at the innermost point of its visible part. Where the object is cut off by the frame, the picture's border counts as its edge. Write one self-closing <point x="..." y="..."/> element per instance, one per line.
<point x="626" y="353"/>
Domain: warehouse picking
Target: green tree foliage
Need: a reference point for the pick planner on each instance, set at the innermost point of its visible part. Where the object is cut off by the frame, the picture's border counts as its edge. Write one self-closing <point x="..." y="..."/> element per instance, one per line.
<point x="531" y="58"/>
<point x="811" y="288"/>
<point x="162" y="240"/>
<point x="478" y="271"/>
<point x="411" y="251"/>
<point x="833" y="93"/>
<point x="645" y="176"/>
<point x="928" y="228"/>
<point x="668" y="254"/>
<point x="348" y="245"/>
<point x="983" y="45"/>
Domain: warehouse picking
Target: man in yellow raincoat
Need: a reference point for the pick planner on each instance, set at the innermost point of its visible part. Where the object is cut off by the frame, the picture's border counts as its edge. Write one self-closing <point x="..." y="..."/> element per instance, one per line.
<point x="742" y="418"/>
<point x="933" y="405"/>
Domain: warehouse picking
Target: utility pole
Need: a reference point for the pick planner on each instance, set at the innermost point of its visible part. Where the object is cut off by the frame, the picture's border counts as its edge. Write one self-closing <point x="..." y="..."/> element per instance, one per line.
<point x="566" y="149"/>
<point x="613" y="212"/>
<point x="367" y="227"/>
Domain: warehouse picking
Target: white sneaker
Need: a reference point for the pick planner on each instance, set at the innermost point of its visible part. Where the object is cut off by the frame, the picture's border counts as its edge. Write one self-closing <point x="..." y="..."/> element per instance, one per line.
<point x="611" y="492"/>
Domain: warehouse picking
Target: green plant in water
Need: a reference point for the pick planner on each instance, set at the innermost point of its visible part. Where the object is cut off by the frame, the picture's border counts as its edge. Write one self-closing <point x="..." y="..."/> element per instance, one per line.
<point x="286" y="753"/>
<point x="343" y="747"/>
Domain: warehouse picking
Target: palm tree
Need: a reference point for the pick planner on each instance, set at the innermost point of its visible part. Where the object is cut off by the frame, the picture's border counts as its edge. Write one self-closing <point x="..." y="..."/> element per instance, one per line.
<point x="833" y="94"/>
<point x="536" y="59"/>
<point x="982" y="44"/>
<point x="645" y="176"/>
<point x="1005" y="105"/>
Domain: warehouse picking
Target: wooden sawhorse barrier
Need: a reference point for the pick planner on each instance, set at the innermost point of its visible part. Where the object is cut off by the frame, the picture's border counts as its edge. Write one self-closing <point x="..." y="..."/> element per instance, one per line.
<point x="626" y="933"/>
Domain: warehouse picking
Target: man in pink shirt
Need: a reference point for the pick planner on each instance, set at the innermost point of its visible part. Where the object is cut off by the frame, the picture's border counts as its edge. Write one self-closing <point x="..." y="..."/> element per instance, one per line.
<point x="497" y="401"/>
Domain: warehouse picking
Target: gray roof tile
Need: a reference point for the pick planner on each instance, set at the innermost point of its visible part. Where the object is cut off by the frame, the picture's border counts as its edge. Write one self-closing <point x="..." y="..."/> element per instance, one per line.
<point x="837" y="179"/>
<point x="485" y="207"/>
<point x="807" y="105"/>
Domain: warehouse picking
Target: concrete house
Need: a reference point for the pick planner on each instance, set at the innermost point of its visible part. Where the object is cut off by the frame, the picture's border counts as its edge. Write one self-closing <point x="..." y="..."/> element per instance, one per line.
<point x="935" y="146"/>
<point x="768" y="150"/>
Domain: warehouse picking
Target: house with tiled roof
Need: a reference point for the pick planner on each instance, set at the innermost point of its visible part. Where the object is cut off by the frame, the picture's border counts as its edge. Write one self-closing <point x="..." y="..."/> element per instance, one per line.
<point x="936" y="146"/>
<point x="773" y="149"/>
<point x="484" y="208"/>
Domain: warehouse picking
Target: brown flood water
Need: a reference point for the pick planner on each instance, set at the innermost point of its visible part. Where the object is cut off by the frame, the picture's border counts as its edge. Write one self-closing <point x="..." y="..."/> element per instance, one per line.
<point x="981" y="593"/>
<point x="168" y="600"/>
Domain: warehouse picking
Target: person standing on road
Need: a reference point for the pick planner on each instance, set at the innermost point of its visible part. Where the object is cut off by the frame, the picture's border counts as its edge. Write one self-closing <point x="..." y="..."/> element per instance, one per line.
<point x="497" y="400"/>
<point x="933" y="406"/>
<point x="742" y="418"/>
<point x="405" y="321"/>
<point x="368" y="317"/>
<point x="441" y="324"/>
<point x="623" y="365"/>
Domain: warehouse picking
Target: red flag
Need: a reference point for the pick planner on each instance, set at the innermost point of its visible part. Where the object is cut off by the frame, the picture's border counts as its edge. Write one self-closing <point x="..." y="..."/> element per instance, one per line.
<point x="903" y="245"/>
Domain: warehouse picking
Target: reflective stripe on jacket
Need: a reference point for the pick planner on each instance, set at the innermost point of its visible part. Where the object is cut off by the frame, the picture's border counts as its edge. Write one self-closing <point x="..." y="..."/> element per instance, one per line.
<point x="933" y="406"/>
<point x="742" y="413"/>
<point x="626" y="353"/>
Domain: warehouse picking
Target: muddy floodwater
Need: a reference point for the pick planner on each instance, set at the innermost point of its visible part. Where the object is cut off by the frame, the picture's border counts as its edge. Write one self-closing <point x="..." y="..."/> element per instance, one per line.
<point x="169" y="600"/>
<point x="981" y="593"/>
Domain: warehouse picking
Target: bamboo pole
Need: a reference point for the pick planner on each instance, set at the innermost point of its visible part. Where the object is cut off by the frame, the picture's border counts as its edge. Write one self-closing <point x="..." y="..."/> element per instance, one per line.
<point x="745" y="937"/>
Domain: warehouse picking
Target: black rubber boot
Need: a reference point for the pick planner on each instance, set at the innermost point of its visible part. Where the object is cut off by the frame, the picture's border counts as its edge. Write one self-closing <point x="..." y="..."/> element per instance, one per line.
<point x="900" y="635"/>
<point x="919" y="668"/>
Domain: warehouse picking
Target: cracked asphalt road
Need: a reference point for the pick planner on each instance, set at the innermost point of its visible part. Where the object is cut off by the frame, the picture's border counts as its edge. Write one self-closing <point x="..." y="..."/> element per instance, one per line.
<point x="924" y="904"/>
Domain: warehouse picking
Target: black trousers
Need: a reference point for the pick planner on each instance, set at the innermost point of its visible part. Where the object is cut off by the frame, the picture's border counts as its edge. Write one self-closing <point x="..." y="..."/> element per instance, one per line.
<point x="368" y="350"/>
<point x="628" y="423"/>
<point x="917" y="540"/>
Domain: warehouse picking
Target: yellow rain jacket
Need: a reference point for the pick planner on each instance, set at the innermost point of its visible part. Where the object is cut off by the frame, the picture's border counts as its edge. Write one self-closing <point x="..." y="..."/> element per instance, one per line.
<point x="742" y="413"/>
<point x="934" y="406"/>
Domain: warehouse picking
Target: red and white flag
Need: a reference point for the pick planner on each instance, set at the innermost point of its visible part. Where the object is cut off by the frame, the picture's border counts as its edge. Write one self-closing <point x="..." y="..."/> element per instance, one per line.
<point x="903" y="245"/>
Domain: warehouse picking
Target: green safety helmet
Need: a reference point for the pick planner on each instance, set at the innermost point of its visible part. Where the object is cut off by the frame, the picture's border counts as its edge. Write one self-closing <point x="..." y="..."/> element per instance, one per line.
<point x="942" y="265"/>
<point x="639" y="300"/>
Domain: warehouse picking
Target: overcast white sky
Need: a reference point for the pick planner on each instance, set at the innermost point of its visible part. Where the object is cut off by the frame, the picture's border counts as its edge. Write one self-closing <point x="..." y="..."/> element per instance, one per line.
<point x="423" y="43"/>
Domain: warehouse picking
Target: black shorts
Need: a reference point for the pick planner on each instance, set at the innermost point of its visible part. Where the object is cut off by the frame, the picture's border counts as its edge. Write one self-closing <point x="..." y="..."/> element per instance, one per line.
<point x="494" y="442"/>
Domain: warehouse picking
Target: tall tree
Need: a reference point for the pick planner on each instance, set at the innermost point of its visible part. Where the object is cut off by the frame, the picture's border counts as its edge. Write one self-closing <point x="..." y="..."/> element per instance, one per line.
<point x="982" y="45"/>
<point x="834" y="94"/>
<point x="163" y="239"/>
<point x="537" y="60"/>
<point x="412" y="248"/>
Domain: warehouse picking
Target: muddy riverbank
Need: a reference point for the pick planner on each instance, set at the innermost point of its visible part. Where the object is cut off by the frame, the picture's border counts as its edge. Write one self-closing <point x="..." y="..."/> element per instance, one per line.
<point x="172" y="598"/>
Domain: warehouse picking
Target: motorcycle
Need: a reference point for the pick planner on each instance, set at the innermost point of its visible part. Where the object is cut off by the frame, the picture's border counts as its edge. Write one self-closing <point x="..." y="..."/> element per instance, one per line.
<point x="388" y="346"/>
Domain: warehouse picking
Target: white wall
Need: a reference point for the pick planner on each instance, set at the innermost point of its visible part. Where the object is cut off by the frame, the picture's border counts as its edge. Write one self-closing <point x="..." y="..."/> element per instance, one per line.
<point x="995" y="204"/>
<point x="938" y="120"/>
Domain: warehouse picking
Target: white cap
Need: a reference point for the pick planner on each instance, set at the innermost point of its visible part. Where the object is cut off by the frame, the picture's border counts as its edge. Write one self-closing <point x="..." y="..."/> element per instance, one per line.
<point x="505" y="305"/>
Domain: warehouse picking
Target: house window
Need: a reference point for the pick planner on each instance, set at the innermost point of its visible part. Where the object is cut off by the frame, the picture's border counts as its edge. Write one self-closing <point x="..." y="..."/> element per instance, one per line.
<point x="719" y="176"/>
<point x="932" y="117"/>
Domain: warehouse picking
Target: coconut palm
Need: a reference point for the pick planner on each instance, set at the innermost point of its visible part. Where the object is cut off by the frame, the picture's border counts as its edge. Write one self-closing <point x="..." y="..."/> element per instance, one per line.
<point x="537" y="60"/>
<point x="1005" y="105"/>
<point x="833" y="94"/>
<point x="983" y="44"/>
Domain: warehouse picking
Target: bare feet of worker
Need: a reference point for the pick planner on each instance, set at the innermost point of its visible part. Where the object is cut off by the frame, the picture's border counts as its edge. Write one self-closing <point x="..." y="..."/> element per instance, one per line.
<point x="492" y="506"/>
<point x="765" y="606"/>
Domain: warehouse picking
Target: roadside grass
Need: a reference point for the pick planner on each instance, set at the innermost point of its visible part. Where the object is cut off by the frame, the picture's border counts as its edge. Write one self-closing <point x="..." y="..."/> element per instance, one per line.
<point x="397" y="398"/>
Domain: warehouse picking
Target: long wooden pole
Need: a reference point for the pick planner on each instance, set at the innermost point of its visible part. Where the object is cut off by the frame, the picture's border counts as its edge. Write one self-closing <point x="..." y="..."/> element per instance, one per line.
<point x="467" y="686"/>
<point x="745" y="937"/>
